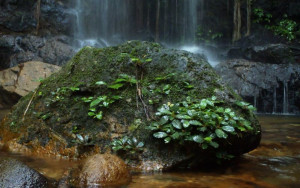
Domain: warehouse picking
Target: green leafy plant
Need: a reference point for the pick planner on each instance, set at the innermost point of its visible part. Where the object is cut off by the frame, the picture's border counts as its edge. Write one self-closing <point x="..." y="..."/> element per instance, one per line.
<point x="204" y="122"/>
<point x="97" y="104"/>
<point x="121" y="81"/>
<point x="286" y="28"/>
<point x="127" y="144"/>
<point x="283" y="27"/>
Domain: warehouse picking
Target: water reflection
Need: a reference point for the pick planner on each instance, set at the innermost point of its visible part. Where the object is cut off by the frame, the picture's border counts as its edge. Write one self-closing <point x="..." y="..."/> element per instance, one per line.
<point x="275" y="163"/>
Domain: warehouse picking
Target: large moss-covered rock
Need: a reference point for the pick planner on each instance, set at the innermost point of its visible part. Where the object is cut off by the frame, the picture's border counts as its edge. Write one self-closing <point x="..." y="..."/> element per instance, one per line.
<point x="59" y="119"/>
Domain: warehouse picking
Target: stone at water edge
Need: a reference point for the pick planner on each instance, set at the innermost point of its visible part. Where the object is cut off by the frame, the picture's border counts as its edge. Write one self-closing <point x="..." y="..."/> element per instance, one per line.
<point x="104" y="170"/>
<point x="57" y="121"/>
<point x="14" y="173"/>
<point x="18" y="81"/>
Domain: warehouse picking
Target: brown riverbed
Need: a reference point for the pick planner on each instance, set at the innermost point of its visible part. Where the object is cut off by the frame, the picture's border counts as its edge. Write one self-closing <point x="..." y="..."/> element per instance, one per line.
<point x="276" y="163"/>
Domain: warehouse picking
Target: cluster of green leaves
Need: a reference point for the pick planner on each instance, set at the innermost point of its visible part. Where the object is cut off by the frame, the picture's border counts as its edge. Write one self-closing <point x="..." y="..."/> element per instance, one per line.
<point x="140" y="61"/>
<point x="60" y="93"/>
<point x="128" y="144"/>
<point x="121" y="81"/>
<point x="97" y="104"/>
<point x="286" y="28"/>
<point x="207" y="35"/>
<point x="260" y="16"/>
<point x="283" y="27"/>
<point x="204" y="122"/>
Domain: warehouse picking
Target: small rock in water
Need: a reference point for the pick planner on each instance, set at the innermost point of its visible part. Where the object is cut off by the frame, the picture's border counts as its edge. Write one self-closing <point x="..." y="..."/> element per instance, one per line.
<point x="104" y="170"/>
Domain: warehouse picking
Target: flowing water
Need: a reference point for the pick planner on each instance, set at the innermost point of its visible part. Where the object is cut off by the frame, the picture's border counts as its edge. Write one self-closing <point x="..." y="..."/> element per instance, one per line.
<point x="275" y="163"/>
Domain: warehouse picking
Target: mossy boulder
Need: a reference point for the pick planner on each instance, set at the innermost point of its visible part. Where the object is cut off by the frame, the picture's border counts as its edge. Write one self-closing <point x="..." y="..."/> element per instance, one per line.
<point x="108" y="93"/>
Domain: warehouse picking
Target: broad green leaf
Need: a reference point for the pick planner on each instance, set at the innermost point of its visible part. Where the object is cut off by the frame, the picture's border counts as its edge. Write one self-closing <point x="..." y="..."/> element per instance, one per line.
<point x="228" y="128"/>
<point x="163" y="120"/>
<point x="220" y="133"/>
<point x="195" y="122"/>
<point x="202" y="129"/>
<point x="96" y="102"/>
<point x="208" y="139"/>
<point x="191" y="113"/>
<point x="164" y="111"/>
<point x="203" y="103"/>
<point x="99" y="115"/>
<point x="185" y="123"/>
<point x="227" y="110"/>
<point x="176" y="124"/>
<point x="175" y="136"/>
<point x="167" y="140"/>
<point x="180" y="116"/>
<point x="120" y="80"/>
<point x="116" y="86"/>
<point x="91" y="114"/>
<point x="160" y="135"/>
<point x="198" y="139"/>
<point x="141" y="144"/>
<point x="241" y="128"/>
<point x="148" y="60"/>
<point x="213" y="98"/>
<point x="166" y="87"/>
<point x="100" y="83"/>
<point x="214" y="144"/>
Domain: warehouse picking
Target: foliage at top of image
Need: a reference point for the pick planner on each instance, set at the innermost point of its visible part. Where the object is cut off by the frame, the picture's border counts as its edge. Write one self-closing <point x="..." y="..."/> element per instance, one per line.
<point x="283" y="26"/>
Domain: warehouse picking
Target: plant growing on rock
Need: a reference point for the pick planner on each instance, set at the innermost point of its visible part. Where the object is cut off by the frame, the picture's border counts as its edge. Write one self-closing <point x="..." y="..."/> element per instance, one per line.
<point x="204" y="122"/>
<point x="129" y="145"/>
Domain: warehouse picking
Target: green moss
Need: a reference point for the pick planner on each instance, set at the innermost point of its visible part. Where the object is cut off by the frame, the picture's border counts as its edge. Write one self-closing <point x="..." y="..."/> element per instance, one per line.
<point x="68" y="114"/>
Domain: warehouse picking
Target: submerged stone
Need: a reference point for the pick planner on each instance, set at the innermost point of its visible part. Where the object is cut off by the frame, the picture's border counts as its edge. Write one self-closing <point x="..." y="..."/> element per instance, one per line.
<point x="107" y="98"/>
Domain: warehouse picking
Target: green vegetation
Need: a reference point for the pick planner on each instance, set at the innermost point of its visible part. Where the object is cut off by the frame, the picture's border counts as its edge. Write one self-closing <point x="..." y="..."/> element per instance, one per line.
<point x="204" y="122"/>
<point x="130" y="145"/>
<point x="283" y="27"/>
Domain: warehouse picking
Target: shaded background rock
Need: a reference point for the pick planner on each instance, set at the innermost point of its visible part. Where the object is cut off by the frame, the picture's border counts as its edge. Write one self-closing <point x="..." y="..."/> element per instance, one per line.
<point x="20" y="80"/>
<point x="14" y="173"/>
<point x="272" y="88"/>
<point x="18" y="49"/>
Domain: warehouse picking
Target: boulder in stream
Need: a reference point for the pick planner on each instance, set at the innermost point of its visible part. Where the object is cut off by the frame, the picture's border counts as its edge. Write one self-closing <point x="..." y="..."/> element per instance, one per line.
<point x="157" y="108"/>
<point x="14" y="173"/>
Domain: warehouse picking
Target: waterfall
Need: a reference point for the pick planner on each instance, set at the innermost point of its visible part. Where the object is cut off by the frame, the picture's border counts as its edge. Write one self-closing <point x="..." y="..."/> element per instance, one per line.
<point x="285" y="109"/>
<point x="274" y="100"/>
<point x="109" y="22"/>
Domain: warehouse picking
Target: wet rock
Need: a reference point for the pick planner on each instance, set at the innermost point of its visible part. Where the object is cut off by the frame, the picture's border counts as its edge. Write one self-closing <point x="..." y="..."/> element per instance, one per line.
<point x="265" y="85"/>
<point x="13" y="174"/>
<point x="59" y="117"/>
<point x="266" y="53"/>
<point x="20" y="16"/>
<point x="270" y="53"/>
<point x="22" y="79"/>
<point x="14" y="50"/>
<point x="104" y="170"/>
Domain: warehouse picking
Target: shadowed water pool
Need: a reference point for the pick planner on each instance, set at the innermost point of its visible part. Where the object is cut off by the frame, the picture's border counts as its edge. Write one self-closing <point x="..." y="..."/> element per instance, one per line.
<point x="275" y="163"/>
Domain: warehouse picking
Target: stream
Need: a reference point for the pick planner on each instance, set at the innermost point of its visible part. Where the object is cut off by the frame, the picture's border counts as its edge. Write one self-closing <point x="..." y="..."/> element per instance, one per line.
<point x="275" y="163"/>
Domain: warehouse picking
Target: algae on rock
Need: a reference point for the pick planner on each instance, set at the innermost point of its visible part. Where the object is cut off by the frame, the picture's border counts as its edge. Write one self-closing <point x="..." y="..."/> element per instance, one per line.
<point x="58" y="121"/>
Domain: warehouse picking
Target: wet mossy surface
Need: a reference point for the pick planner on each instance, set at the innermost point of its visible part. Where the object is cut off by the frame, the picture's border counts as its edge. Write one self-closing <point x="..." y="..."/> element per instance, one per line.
<point x="63" y="116"/>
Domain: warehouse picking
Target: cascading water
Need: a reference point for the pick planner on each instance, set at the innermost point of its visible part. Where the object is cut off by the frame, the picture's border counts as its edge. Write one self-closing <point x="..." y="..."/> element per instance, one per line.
<point x="102" y="22"/>
<point x="285" y="98"/>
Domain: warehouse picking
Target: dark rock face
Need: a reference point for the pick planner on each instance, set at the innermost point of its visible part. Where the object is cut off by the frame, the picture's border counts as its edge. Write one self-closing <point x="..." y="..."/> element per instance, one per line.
<point x="273" y="88"/>
<point x="269" y="53"/>
<point x="57" y="118"/>
<point x="13" y="174"/>
<point x="20" y="49"/>
<point x="20" y="16"/>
